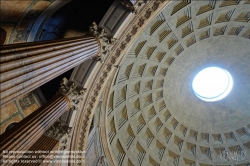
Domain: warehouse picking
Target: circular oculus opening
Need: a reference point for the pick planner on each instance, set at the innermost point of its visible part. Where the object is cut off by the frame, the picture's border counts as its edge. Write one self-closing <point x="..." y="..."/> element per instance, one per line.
<point x="212" y="84"/>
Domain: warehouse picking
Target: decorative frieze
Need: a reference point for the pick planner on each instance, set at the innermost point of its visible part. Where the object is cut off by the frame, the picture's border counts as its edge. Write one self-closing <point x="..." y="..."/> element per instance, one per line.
<point x="141" y="18"/>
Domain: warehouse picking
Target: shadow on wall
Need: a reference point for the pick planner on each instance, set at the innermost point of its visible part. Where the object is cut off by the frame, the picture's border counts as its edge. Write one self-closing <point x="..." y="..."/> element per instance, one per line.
<point x="10" y="126"/>
<point x="2" y="36"/>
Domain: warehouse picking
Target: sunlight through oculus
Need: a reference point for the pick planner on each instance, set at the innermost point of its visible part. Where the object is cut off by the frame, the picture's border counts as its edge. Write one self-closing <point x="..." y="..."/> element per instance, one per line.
<point x="212" y="84"/>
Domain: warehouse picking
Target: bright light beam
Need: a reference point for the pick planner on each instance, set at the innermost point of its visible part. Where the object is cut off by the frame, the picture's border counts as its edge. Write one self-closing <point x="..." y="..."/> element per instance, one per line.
<point x="212" y="84"/>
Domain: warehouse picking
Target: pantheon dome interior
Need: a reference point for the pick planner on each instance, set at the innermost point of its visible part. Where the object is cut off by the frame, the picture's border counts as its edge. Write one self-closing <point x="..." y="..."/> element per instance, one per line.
<point x="115" y="79"/>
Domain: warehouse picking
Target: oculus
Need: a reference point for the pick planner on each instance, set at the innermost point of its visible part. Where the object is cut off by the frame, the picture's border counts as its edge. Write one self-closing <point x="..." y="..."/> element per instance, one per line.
<point x="212" y="84"/>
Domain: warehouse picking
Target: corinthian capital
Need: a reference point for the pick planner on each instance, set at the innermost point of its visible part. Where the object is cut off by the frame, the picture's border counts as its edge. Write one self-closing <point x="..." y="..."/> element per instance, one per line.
<point x="74" y="94"/>
<point x="60" y="132"/>
<point x="105" y="40"/>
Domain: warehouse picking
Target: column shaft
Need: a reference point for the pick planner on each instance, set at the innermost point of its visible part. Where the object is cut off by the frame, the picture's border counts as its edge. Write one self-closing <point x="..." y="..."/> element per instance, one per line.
<point x="44" y="144"/>
<point x="25" y="67"/>
<point x="22" y="136"/>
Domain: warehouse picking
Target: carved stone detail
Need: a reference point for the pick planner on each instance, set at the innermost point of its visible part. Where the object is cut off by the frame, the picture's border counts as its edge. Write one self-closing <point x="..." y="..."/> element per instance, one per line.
<point x="145" y="13"/>
<point x="74" y="94"/>
<point x="60" y="132"/>
<point x="105" y="40"/>
<point x="134" y="8"/>
<point x="129" y="5"/>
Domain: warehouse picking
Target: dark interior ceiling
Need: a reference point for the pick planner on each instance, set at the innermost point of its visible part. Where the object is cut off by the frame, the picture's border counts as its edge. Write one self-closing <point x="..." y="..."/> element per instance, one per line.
<point x="77" y="15"/>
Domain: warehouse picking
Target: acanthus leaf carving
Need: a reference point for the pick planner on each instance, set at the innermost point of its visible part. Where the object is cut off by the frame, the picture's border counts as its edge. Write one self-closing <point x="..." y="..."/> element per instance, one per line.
<point x="73" y="93"/>
<point x="60" y="132"/>
<point x="105" y="41"/>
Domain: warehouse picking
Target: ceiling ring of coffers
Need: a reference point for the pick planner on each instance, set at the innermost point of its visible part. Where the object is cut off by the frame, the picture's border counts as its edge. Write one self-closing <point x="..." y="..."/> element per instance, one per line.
<point x="219" y="29"/>
<point x="92" y="95"/>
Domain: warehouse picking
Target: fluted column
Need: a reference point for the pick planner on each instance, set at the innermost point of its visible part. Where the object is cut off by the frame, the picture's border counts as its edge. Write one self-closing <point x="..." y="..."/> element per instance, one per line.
<point x="25" y="67"/>
<point x="42" y="147"/>
<point x="23" y="135"/>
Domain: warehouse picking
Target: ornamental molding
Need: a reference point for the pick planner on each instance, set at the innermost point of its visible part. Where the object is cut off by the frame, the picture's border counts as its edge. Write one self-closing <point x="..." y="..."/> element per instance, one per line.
<point x="105" y="41"/>
<point x="103" y="121"/>
<point x="182" y="48"/>
<point x="137" y="24"/>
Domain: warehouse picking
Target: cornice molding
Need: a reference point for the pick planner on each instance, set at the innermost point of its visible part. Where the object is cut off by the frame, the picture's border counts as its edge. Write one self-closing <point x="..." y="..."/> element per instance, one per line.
<point x="103" y="119"/>
<point x="117" y="53"/>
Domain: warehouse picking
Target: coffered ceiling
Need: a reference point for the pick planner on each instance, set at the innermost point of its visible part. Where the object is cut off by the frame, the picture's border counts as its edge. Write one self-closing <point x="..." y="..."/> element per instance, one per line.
<point x="153" y="117"/>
